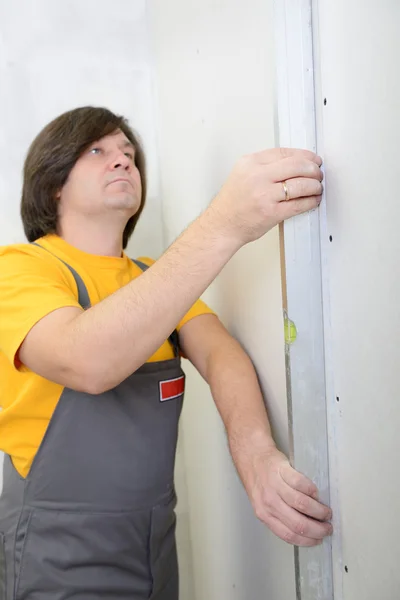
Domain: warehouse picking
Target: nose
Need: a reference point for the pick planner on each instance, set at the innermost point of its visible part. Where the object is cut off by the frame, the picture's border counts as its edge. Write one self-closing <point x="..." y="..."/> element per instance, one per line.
<point x="121" y="161"/>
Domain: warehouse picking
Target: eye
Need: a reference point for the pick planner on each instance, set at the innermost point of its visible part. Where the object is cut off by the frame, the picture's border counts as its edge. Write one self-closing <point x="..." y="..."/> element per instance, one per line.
<point x="95" y="150"/>
<point x="129" y="155"/>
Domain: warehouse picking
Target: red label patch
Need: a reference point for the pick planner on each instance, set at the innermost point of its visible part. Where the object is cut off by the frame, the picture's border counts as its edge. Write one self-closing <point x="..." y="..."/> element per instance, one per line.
<point x="172" y="388"/>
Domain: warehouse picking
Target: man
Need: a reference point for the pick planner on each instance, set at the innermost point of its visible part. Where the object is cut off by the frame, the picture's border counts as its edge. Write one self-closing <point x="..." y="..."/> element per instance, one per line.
<point x="92" y="386"/>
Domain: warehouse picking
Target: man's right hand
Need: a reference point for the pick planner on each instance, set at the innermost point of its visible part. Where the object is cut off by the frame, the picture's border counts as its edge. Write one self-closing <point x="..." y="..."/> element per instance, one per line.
<point x="253" y="200"/>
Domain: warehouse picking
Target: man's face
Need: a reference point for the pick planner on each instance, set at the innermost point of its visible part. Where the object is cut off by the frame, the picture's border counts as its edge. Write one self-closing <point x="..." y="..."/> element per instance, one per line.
<point x="105" y="178"/>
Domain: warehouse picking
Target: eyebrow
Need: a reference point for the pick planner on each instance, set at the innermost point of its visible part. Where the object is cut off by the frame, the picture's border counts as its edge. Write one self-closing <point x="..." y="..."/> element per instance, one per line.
<point x="129" y="144"/>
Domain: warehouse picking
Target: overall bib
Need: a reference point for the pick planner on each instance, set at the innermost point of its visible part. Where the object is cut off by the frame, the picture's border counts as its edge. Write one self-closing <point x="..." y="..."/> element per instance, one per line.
<point x="94" y="519"/>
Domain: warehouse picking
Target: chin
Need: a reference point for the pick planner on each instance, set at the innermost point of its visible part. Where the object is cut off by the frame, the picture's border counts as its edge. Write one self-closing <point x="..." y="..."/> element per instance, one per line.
<point x="125" y="203"/>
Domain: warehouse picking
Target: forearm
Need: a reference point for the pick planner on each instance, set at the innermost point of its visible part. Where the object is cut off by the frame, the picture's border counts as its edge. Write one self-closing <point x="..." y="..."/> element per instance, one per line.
<point x="116" y="336"/>
<point x="238" y="397"/>
<point x="282" y="498"/>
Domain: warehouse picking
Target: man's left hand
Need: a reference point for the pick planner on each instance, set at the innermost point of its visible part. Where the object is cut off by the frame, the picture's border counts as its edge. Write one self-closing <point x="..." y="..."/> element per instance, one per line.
<point x="286" y="501"/>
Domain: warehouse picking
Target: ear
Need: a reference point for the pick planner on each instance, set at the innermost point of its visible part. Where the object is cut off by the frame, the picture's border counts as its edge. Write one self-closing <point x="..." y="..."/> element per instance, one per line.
<point x="58" y="194"/>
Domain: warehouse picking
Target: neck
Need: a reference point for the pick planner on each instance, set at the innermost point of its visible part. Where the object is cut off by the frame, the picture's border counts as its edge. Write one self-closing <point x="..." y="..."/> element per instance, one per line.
<point x="103" y="239"/>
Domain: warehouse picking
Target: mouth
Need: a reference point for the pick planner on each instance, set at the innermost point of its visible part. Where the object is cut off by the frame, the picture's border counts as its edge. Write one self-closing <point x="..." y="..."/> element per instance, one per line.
<point x="119" y="179"/>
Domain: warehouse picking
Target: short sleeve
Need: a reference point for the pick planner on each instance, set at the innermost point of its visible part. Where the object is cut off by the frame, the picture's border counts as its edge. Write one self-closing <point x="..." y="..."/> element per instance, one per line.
<point x="32" y="286"/>
<point x="198" y="308"/>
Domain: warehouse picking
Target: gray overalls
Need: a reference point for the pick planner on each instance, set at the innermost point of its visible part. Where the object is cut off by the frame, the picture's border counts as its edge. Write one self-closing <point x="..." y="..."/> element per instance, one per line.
<point x="94" y="519"/>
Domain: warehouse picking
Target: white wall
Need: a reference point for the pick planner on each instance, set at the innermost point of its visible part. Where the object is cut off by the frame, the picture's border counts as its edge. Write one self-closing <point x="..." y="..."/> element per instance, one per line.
<point x="214" y="72"/>
<point x="359" y="138"/>
<point x="55" y="56"/>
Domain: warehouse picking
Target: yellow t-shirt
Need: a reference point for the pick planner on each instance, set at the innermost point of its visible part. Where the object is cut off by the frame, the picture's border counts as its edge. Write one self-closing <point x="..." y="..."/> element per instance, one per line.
<point x="33" y="283"/>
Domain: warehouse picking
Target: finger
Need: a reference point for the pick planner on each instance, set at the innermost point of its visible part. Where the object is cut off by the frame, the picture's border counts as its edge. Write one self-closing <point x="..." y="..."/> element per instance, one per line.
<point x="286" y="210"/>
<point x="273" y="155"/>
<point x="305" y="504"/>
<point x="294" y="166"/>
<point x="300" y="524"/>
<point x="298" y="481"/>
<point x="300" y="187"/>
<point x="288" y="536"/>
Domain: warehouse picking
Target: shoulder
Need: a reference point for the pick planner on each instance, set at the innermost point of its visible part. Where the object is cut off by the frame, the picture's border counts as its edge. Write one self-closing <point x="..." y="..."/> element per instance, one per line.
<point x="17" y="250"/>
<point x="17" y="261"/>
<point x="18" y="255"/>
<point x="23" y="252"/>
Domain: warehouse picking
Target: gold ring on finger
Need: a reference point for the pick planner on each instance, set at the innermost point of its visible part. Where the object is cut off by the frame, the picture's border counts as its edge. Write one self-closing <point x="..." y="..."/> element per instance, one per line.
<point x="285" y="189"/>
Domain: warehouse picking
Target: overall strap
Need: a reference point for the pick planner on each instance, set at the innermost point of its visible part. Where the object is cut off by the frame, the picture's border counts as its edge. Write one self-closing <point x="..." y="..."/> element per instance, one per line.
<point x="83" y="296"/>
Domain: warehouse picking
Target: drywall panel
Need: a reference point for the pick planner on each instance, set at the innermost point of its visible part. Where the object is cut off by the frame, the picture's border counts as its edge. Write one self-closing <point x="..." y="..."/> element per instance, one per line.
<point x="359" y="101"/>
<point x="213" y="69"/>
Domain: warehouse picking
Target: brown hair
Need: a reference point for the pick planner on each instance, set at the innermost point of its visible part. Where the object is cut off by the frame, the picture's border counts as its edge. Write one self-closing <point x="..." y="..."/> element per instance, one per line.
<point x="52" y="156"/>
